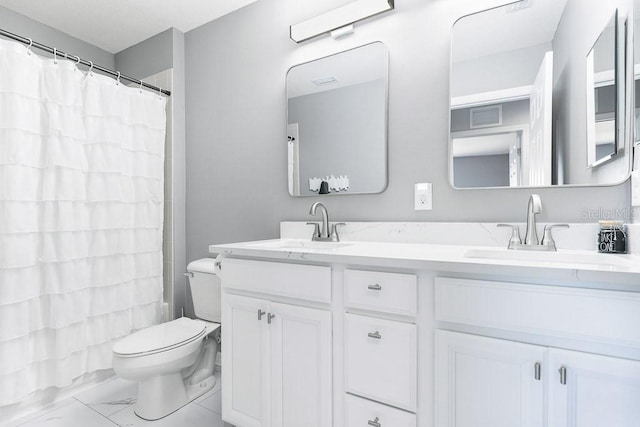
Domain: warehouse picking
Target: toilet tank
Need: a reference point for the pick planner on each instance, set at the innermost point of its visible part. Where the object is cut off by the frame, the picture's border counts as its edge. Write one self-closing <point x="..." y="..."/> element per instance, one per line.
<point x="205" y="289"/>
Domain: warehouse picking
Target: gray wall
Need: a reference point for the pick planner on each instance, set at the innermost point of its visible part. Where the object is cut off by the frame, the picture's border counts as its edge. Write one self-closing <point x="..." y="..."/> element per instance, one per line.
<point x="343" y="132"/>
<point x="27" y="27"/>
<point x="148" y="57"/>
<point x="481" y="171"/>
<point x="158" y="53"/>
<point x="236" y="125"/>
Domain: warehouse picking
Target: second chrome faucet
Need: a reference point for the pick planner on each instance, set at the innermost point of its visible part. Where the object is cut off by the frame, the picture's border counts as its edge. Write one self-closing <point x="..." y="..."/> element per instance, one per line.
<point x="531" y="240"/>
<point x="321" y="231"/>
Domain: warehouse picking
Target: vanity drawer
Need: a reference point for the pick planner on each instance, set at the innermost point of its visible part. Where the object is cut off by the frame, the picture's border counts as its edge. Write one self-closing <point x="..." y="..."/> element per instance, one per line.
<point x="362" y="412"/>
<point x="385" y="292"/>
<point x="306" y="282"/>
<point x="593" y="315"/>
<point x="380" y="360"/>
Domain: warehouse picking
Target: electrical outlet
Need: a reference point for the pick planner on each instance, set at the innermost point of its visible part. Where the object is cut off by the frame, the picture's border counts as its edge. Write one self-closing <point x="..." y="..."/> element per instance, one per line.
<point x="635" y="188"/>
<point x="424" y="196"/>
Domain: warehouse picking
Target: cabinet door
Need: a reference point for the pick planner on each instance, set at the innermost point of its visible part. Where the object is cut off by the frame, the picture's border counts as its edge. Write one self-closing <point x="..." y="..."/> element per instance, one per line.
<point x="245" y="357"/>
<point x="598" y="391"/>
<point x="484" y="382"/>
<point x="301" y="366"/>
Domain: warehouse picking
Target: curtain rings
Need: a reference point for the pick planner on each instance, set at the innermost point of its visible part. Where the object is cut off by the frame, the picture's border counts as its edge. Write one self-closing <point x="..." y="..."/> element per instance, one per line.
<point x="140" y="86"/>
<point x="29" y="47"/>
<point x="55" y="56"/>
<point x="77" y="58"/>
<point x="90" y="72"/>
<point x="118" y="78"/>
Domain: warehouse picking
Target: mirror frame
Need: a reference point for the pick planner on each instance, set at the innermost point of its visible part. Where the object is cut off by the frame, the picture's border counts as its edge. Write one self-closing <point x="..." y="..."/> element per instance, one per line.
<point x="386" y="119"/>
<point x="591" y="97"/>
<point x="624" y="130"/>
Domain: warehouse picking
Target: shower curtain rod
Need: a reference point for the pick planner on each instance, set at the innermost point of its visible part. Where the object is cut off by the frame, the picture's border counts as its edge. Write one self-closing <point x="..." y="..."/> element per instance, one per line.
<point x="79" y="60"/>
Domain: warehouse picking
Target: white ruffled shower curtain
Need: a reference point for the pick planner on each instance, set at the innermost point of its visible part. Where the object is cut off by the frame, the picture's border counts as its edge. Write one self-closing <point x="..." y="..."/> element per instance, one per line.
<point x="81" y="211"/>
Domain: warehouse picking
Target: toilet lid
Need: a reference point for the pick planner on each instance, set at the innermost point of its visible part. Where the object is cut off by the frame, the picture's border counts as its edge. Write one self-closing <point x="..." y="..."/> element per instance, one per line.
<point x="160" y="337"/>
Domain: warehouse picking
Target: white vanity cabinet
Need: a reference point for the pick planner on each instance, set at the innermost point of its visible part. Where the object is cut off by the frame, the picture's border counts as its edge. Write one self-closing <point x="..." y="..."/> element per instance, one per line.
<point x="485" y="382"/>
<point x="593" y="390"/>
<point x="489" y="382"/>
<point x="381" y="356"/>
<point x="277" y="356"/>
<point x="381" y="360"/>
<point x="409" y="335"/>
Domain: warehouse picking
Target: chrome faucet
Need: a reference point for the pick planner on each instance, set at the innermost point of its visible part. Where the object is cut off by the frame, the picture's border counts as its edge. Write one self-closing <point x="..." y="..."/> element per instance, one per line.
<point x="531" y="241"/>
<point x="324" y="232"/>
<point x="321" y="232"/>
<point x="534" y="207"/>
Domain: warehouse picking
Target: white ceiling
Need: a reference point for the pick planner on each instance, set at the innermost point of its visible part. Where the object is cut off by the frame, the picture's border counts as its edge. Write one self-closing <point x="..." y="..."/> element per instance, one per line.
<point x="506" y="28"/>
<point x="114" y="25"/>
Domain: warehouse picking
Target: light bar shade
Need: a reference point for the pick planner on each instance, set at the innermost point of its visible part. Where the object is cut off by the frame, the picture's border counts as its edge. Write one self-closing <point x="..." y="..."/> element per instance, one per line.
<point x="338" y="18"/>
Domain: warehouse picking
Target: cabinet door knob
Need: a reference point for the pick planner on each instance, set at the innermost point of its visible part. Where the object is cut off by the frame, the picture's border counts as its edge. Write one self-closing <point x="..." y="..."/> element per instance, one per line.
<point x="374" y="423"/>
<point x="375" y="335"/>
<point x="375" y="287"/>
<point x="270" y="317"/>
<point x="260" y="314"/>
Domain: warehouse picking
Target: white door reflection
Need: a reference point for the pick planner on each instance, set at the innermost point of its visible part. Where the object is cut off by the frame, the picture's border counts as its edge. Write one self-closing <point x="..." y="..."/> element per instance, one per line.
<point x="488" y="158"/>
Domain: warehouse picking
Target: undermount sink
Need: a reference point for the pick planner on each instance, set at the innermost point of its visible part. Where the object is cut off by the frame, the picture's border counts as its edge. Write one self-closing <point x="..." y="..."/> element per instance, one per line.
<point x="563" y="257"/>
<point x="299" y="244"/>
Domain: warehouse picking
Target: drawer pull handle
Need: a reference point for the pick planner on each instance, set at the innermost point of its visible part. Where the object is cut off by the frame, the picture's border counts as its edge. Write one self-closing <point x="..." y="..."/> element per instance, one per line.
<point x="261" y="313"/>
<point x="375" y="335"/>
<point x="375" y="423"/>
<point x="375" y="287"/>
<point x="563" y="375"/>
<point x="538" y="371"/>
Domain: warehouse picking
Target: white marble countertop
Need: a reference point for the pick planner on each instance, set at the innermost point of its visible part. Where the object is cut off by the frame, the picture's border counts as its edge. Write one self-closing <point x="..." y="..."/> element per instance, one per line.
<point x="593" y="267"/>
<point x="486" y="258"/>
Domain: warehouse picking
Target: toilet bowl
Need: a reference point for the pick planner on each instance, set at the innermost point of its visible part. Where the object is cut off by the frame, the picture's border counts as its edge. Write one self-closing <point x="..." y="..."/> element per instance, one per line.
<point x="174" y="362"/>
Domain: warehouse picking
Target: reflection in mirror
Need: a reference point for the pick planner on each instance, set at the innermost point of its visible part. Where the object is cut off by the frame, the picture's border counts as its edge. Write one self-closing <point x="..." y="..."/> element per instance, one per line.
<point x="601" y="97"/>
<point x="518" y="99"/>
<point x="636" y="72"/>
<point x="337" y="123"/>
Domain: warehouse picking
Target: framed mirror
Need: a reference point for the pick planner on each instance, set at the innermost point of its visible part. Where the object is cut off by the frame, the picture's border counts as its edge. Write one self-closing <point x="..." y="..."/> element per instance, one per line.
<point x="602" y="97"/>
<point x="337" y="123"/>
<point x="636" y="73"/>
<point x="537" y="95"/>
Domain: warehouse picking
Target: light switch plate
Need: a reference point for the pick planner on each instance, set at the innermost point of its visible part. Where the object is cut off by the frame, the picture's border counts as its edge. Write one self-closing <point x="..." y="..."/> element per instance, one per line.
<point x="423" y="196"/>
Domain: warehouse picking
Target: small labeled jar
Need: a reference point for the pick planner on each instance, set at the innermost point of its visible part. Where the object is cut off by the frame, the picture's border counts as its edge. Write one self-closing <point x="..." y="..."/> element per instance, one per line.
<point x="612" y="238"/>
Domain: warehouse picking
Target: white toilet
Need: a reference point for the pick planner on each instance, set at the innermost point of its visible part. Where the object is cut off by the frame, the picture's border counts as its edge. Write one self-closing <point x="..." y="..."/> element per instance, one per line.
<point x="174" y="362"/>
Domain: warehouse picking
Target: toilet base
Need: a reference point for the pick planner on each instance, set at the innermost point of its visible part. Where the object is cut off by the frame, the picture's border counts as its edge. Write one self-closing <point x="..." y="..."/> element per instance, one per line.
<point x="160" y="395"/>
<point x="162" y="390"/>
<point x="194" y="391"/>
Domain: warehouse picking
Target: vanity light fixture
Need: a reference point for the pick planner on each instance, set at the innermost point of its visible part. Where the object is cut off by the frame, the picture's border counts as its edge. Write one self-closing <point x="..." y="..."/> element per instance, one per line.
<point x="338" y="18"/>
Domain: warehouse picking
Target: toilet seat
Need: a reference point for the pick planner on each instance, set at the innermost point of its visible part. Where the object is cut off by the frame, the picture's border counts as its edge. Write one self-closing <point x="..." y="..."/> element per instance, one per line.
<point x="162" y="337"/>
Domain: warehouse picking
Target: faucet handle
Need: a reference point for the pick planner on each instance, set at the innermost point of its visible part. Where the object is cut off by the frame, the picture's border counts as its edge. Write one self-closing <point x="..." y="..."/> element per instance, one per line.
<point x="334" y="231"/>
<point x="316" y="229"/>
<point x="547" y="237"/>
<point x="515" y="235"/>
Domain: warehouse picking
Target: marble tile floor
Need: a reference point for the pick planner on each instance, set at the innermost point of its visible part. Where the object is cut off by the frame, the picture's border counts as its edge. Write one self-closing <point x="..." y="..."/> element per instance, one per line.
<point x="110" y="404"/>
